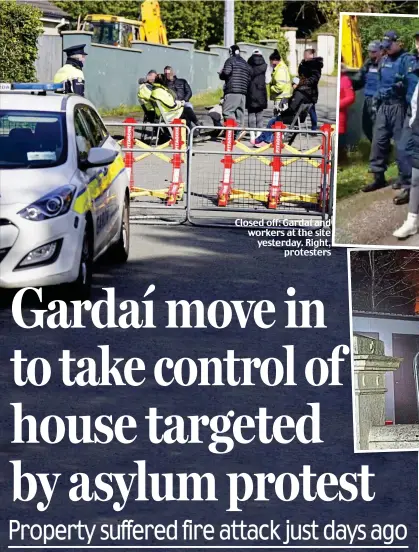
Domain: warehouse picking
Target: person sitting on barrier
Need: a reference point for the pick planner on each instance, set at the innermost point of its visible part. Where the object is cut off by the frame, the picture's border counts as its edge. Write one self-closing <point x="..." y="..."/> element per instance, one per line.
<point x="301" y="95"/>
<point x="144" y="95"/>
<point x="165" y="100"/>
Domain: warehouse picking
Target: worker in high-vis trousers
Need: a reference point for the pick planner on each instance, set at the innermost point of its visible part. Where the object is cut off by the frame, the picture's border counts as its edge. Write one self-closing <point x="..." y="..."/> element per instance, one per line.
<point x="280" y="87"/>
<point x="71" y="74"/>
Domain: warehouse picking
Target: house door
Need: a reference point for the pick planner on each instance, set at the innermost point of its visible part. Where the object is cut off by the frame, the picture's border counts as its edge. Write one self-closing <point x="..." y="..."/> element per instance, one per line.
<point x="406" y="408"/>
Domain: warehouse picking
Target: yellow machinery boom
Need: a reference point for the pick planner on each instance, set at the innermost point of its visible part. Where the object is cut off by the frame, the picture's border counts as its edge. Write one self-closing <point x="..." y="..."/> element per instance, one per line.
<point x="114" y="30"/>
<point x="152" y="25"/>
<point x="351" y="42"/>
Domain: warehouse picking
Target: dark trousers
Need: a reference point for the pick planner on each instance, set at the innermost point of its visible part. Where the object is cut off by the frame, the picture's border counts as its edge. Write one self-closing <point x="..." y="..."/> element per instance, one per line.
<point x="189" y="116"/>
<point x="313" y="117"/>
<point x="388" y="125"/>
<point x="368" y="118"/>
<point x="405" y="147"/>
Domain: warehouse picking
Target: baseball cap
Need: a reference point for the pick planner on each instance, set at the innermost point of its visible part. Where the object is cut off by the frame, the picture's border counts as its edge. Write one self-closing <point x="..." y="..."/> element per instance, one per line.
<point x="374" y="46"/>
<point x="389" y="37"/>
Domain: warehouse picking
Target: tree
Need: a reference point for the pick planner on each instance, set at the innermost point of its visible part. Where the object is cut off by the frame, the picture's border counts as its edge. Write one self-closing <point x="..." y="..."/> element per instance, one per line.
<point x="374" y="28"/>
<point x="201" y="20"/>
<point x="385" y="281"/>
<point x="20" y="28"/>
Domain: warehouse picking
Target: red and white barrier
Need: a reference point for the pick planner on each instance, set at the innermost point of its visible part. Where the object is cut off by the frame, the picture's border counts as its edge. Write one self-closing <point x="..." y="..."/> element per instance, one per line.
<point x="129" y="141"/>
<point x="224" y="190"/>
<point x="274" y="195"/>
<point x="177" y="161"/>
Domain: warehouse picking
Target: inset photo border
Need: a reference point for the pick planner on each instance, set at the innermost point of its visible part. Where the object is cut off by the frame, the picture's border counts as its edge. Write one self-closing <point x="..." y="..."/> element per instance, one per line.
<point x="373" y="177"/>
<point x="384" y="324"/>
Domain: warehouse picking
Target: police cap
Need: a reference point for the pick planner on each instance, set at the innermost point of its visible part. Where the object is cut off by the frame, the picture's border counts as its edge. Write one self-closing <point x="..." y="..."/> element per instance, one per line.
<point x="74" y="50"/>
<point x="374" y="46"/>
<point x="389" y="37"/>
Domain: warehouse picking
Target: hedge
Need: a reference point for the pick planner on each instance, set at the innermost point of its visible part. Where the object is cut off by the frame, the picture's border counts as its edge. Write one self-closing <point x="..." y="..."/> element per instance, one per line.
<point x="20" y="27"/>
<point x="373" y="28"/>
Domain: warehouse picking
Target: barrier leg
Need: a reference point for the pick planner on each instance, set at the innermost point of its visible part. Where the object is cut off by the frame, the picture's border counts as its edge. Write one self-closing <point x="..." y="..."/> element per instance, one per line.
<point x="224" y="190"/>
<point x="274" y="196"/>
<point x="326" y="150"/>
<point x="176" y="183"/>
<point x="129" y="144"/>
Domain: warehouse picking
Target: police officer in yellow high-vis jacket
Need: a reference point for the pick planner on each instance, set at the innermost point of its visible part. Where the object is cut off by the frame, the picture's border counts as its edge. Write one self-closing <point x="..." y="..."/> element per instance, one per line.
<point x="280" y="86"/>
<point x="71" y="74"/>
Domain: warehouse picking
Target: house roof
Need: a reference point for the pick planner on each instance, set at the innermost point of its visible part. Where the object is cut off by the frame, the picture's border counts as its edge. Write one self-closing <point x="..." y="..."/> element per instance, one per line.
<point x="371" y="314"/>
<point x="48" y="8"/>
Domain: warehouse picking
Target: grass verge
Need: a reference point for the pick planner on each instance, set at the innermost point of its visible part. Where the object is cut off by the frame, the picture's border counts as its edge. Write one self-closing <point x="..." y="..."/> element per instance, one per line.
<point x="120" y="111"/>
<point x="354" y="175"/>
<point x="206" y="99"/>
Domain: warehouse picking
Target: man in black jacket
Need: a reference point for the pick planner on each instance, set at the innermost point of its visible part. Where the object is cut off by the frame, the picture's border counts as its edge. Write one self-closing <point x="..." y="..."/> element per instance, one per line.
<point x="310" y="72"/>
<point x="237" y="74"/>
<point x="181" y="89"/>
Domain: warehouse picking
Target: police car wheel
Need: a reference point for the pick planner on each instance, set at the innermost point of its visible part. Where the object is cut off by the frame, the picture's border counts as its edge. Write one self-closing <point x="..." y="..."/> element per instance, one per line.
<point x="81" y="288"/>
<point x="120" y="251"/>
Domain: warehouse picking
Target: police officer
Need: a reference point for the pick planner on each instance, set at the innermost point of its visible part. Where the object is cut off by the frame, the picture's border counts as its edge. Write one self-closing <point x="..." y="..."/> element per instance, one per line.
<point x="391" y="110"/>
<point x="367" y="78"/>
<point x="71" y="74"/>
<point x="409" y="78"/>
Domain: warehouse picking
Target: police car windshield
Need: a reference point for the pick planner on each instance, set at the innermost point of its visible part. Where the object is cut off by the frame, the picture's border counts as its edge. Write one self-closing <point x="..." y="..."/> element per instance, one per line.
<point x="32" y="139"/>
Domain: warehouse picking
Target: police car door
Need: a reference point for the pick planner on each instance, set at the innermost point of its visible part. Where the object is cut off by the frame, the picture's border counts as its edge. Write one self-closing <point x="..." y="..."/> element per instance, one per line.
<point x="113" y="183"/>
<point x="92" y="178"/>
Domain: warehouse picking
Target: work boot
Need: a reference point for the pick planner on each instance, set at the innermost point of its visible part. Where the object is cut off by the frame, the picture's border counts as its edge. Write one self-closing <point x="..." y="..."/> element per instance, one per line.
<point x="379" y="182"/>
<point x="402" y="198"/>
<point x="409" y="227"/>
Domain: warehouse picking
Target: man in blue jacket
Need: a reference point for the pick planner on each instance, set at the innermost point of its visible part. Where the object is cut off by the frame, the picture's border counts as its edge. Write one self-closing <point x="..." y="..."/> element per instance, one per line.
<point x="390" y="103"/>
<point x="368" y="79"/>
<point x="409" y="78"/>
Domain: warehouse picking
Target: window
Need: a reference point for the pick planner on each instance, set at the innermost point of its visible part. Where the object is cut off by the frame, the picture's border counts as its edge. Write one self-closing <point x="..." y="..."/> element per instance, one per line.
<point x="32" y="139"/>
<point x="96" y="127"/>
<point x="84" y="139"/>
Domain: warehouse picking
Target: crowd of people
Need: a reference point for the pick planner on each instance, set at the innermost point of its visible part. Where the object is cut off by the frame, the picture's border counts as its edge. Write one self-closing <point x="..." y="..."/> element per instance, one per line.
<point x="390" y="78"/>
<point x="247" y="85"/>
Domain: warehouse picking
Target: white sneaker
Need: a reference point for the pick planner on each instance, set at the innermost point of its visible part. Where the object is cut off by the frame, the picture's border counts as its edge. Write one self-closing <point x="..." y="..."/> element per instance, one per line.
<point x="409" y="227"/>
<point x="252" y="137"/>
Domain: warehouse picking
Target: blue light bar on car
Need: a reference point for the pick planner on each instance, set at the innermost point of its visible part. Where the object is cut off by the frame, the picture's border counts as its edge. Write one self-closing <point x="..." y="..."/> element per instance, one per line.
<point x="42" y="87"/>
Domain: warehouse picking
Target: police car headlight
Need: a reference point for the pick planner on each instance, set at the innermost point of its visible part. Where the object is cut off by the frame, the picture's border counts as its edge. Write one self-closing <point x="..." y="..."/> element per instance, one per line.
<point x="52" y="205"/>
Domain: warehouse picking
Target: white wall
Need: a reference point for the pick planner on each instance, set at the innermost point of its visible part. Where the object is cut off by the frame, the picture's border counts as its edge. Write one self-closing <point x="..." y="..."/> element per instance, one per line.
<point x="386" y="327"/>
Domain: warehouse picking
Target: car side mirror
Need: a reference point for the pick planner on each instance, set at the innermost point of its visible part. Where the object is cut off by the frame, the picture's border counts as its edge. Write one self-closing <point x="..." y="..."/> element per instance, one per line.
<point x="99" y="157"/>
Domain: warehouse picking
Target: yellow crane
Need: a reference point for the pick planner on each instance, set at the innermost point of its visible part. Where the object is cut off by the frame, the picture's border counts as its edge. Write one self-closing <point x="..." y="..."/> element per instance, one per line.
<point x="351" y="42"/>
<point x="112" y="30"/>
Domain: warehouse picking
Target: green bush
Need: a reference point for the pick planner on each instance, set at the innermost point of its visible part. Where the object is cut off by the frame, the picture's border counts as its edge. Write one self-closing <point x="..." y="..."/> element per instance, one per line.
<point x="20" y="27"/>
<point x="373" y="28"/>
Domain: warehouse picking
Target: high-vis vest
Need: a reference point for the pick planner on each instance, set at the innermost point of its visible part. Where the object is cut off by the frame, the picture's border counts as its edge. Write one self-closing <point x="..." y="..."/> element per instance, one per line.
<point x="144" y="95"/>
<point x="280" y="86"/>
<point x="166" y="100"/>
<point x="72" y="77"/>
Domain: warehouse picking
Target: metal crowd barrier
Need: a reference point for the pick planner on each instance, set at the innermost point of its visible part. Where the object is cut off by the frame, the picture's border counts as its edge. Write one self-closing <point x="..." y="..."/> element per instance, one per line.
<point x="157" y="171"/>
<point x="213" y="184"/>
<point x="276" y="180"/>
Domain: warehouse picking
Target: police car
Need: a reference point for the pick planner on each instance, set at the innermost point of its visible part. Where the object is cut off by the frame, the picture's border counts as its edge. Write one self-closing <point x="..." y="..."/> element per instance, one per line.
<point x="64" y="189"/>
